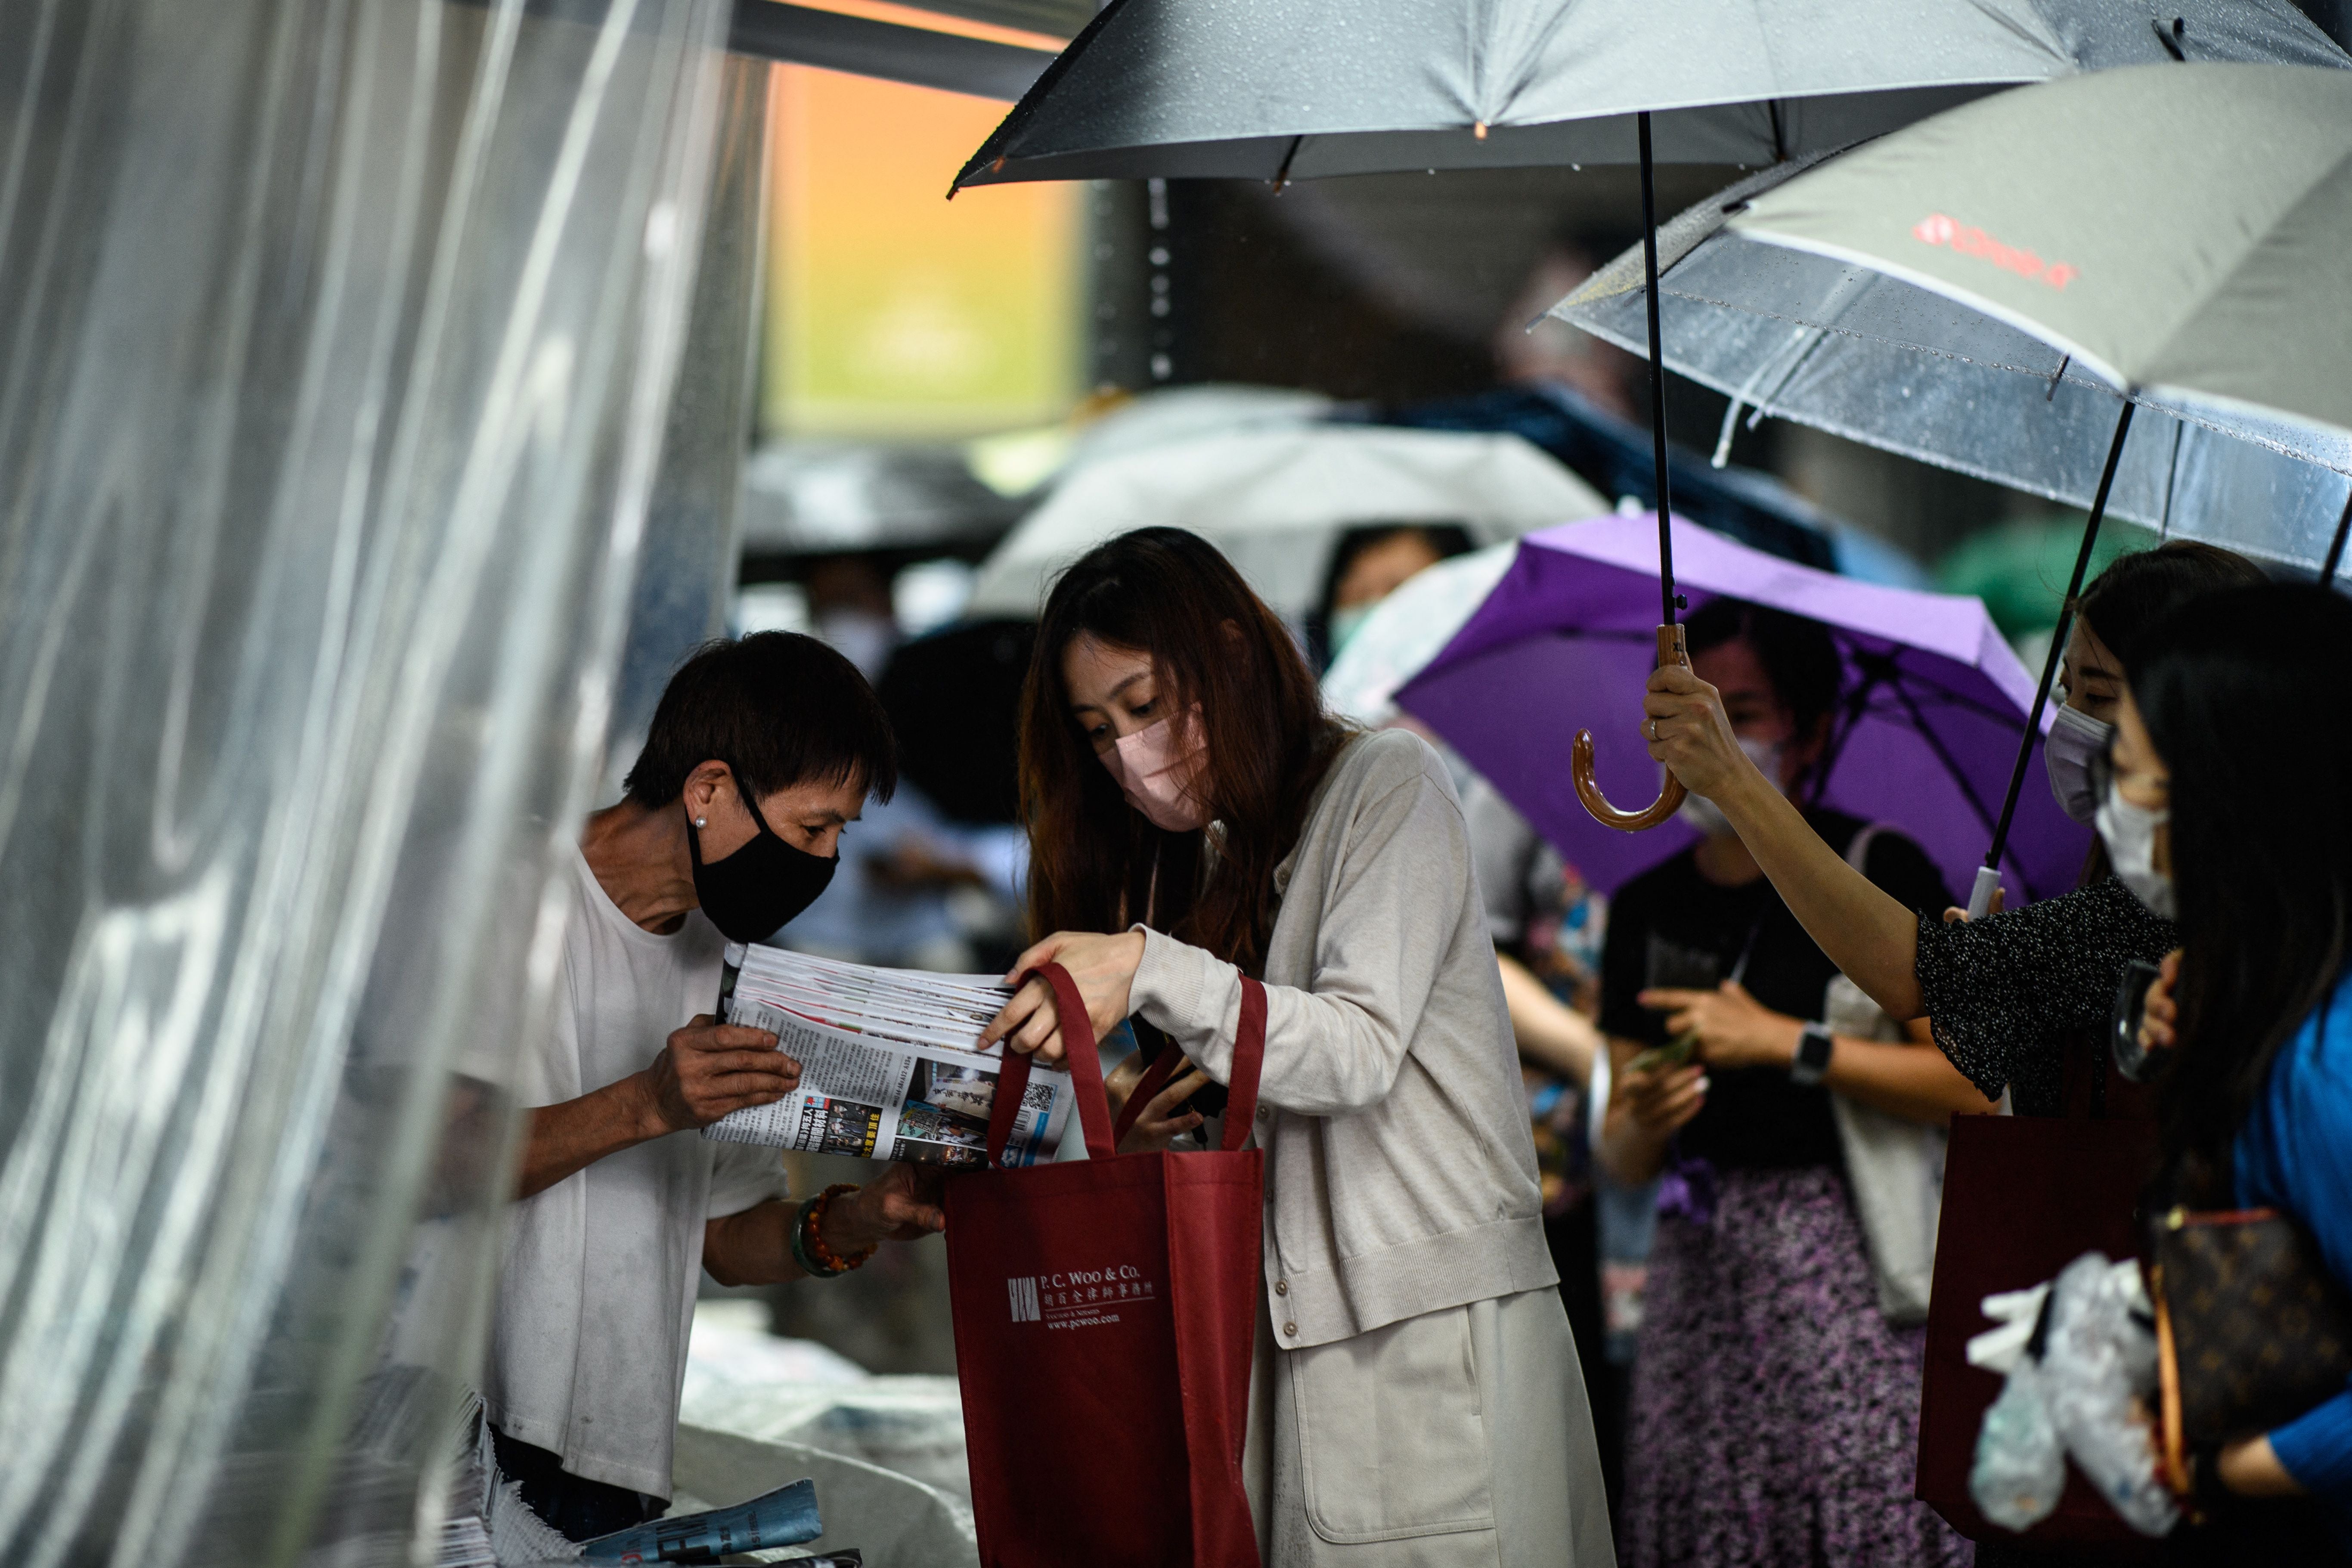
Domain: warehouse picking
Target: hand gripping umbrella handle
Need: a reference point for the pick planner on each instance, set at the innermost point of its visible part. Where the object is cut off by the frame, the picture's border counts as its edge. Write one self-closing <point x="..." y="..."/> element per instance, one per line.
<point x="1671" y="650"/>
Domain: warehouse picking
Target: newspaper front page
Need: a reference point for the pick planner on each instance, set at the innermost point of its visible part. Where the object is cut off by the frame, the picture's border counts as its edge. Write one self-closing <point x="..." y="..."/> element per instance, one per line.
<point x="890" y="1064"/>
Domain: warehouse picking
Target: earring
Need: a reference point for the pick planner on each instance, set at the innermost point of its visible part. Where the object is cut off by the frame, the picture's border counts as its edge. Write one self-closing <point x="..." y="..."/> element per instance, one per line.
<point x="702" y="822"/>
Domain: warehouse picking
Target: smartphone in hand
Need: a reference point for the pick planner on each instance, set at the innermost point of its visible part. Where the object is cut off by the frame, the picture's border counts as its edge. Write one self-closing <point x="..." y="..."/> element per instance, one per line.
<point x="1673" y="1054"/>
<point x="2132" y="1059"/>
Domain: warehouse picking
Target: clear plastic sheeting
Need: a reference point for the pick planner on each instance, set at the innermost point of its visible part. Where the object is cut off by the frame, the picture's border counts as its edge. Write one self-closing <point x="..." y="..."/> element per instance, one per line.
<point x="693" y="530"/>
<point x="1877" y="360"/>
<point x="336" y="345"/>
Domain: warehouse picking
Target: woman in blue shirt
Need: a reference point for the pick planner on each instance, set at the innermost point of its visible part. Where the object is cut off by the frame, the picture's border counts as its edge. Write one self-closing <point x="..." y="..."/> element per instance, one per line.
<point x="2225" y="801"/>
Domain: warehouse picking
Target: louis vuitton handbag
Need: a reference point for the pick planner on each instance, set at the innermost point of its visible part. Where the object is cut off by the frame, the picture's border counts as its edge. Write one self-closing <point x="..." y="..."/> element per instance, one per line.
<point x="2251" y="1330"/>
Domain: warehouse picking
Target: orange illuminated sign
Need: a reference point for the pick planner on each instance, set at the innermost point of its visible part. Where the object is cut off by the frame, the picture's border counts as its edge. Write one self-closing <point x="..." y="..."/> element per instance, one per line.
<point x="892" y="310"/>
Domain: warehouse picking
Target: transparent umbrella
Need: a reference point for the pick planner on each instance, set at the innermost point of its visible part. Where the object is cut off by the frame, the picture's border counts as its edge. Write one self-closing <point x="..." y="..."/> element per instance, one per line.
<point x="1879" y="357"/>
<point x="1286" y="89"/>
<point x="1983" y="289"/>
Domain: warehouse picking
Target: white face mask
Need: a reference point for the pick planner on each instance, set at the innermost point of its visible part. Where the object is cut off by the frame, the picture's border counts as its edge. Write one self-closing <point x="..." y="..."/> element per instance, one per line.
<point x="2129" y="834"/>
<point x="1702" y="814"/>
<point x="2075" y="738"/>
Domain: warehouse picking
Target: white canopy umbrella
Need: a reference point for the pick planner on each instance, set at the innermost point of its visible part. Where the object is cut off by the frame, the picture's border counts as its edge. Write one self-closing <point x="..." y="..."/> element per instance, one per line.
<point x="1276" y="501"/>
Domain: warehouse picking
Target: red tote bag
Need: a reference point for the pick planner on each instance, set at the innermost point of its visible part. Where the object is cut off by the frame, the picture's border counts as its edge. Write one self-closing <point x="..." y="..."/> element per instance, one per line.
<point x="1104" y="1318"/>
<point x="2024" y="1198"/>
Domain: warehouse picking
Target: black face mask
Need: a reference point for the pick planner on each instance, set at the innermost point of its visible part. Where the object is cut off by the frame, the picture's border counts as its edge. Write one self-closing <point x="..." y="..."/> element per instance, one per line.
<point x="752" y="893"/>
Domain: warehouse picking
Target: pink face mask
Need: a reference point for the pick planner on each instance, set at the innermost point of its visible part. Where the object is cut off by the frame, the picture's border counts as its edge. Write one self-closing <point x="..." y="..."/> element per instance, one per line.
<point x="1156" y="779"/>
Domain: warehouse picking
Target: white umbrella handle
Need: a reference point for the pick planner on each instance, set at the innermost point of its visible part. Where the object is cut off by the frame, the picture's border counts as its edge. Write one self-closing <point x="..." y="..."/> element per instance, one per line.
<point x="1671" y="649"/>
<point x="1980" y="896"/>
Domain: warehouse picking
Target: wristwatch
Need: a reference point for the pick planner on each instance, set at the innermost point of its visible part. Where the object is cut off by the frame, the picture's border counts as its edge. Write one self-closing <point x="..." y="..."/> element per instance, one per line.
<point x="1812" y="1058"/>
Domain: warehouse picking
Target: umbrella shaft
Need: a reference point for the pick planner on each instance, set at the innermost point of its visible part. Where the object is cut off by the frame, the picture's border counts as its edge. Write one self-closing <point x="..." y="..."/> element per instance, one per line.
<point x="2335" y="546"/>
<point x="2058" y="636"/>
<point x="1658" y="379"/>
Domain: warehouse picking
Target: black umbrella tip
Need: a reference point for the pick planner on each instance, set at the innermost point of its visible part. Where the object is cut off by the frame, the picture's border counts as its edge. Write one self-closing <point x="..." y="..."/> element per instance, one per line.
<point x="981" y="169"/>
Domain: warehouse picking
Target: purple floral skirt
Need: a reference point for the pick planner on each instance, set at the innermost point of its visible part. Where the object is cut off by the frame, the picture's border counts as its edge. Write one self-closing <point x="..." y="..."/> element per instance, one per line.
<point x="1775" y="1415"/>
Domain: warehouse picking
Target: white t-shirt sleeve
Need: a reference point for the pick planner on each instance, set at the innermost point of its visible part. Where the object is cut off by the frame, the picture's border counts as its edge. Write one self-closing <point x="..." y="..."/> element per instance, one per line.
<point x="742" y="1176"/>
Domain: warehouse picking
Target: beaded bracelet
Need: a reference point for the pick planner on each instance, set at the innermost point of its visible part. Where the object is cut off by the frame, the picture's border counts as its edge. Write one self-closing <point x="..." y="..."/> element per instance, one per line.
<point x="816" y="1259"/>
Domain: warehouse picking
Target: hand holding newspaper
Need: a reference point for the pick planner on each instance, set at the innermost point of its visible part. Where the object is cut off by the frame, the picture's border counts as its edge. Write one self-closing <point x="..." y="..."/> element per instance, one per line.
<point x="890" y="1062"/>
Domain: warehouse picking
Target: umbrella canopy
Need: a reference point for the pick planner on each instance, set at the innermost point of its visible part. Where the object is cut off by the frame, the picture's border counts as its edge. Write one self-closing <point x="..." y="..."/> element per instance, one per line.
<point x="2177" y="232"/>
<point x="1274" y="500"/>
<point x="1308" y="88"/>
<point x="1937" y="701"/>
<point x="2204" y="293"/>
<point x="1613" y="455"/>
<point x="1881" y="359"/>
<point x="817" y="497"/>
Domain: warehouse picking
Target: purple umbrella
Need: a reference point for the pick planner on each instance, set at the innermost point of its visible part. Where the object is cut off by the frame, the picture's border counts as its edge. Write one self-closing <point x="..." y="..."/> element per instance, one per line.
<point x="1925" y="742"/>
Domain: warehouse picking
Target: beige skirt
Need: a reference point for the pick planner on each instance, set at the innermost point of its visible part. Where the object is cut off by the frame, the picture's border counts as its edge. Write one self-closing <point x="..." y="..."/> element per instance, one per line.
<point x="1455" y="1438"/>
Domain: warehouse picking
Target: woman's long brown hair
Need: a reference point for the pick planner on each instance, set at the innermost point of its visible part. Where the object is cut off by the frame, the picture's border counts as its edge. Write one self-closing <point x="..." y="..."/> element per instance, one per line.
<point x="1093" y="861"/>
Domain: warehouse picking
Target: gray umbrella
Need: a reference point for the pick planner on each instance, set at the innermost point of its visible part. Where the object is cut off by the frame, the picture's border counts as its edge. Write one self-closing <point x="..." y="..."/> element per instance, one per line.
<point x="1274" y="90"/>
<point x="1286" y="89"/>
<point x="2180" y="232"/>
<point x="2192" y="269"/>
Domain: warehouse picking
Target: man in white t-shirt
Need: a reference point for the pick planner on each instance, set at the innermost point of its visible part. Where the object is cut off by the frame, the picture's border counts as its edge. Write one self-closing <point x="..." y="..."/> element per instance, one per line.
<point x="760" y="754"/>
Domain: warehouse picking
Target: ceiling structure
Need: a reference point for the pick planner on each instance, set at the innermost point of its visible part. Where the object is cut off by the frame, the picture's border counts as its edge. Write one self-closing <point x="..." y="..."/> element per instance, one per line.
<point x="944" y="56"/>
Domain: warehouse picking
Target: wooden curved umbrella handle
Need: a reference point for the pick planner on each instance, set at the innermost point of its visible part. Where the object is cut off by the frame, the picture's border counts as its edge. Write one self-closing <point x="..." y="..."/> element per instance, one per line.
<point x="1671" y="649"/>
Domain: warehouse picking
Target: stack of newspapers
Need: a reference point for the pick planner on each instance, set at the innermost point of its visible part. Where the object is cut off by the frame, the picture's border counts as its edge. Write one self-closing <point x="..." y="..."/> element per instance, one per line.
<point x="892" y="1066"/>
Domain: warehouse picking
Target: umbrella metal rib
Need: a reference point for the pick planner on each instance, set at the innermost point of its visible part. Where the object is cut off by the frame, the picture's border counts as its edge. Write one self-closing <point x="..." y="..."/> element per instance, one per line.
<point x="1959" y="775"/>
<point x="1882" y="679"/>
<point x="1981" y="898"/>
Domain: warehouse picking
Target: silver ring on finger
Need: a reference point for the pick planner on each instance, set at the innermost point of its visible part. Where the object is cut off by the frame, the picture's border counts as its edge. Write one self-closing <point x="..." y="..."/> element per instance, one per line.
<point x="1653" y="729"/>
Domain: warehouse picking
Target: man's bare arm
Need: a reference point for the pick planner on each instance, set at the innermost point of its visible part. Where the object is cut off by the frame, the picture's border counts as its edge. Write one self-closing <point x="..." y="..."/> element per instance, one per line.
<point x="574" y="1135"/>
<point x="705" y="1070"/>
<point x="755" y="1247"/>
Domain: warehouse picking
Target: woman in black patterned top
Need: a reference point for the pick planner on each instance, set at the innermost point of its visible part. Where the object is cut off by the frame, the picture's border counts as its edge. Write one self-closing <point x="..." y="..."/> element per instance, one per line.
<point x="2006" y="994"/>
<point x="2009" y="994"/>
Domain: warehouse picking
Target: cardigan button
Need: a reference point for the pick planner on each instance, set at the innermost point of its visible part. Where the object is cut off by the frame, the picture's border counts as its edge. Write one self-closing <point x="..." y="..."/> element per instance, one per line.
<point x="1290" y="1329"/>
<point x="1281" y="1287"/>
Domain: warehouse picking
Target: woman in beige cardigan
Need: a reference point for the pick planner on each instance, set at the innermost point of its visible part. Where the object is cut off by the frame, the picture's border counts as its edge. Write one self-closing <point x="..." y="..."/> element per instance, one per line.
<point x="1415" y="1396"/>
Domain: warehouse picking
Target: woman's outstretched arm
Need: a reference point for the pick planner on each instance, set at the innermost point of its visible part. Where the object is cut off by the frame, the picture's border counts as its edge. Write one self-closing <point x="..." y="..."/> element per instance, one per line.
<point x="1551" y="1034"/>
<point x="1867" y="933"/>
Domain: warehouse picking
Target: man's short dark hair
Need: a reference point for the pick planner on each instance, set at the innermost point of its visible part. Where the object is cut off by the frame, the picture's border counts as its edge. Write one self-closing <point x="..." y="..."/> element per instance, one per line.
<point x="779" y="708"/>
